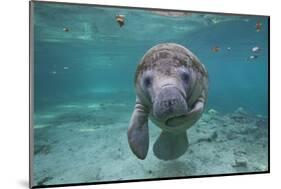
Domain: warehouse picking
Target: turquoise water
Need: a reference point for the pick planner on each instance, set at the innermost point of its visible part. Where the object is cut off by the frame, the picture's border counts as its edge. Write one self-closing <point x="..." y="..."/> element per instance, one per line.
<point x="86" y="74"/>
<point x="101" y="55"/>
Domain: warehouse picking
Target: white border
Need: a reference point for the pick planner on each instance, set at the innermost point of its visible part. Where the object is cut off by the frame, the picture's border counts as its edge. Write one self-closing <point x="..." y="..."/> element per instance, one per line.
<point x="14" y="92"/>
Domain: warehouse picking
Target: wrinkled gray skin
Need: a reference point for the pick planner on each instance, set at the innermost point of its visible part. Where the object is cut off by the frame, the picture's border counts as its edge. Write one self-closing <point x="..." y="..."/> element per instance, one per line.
<point x="171" y="89"/>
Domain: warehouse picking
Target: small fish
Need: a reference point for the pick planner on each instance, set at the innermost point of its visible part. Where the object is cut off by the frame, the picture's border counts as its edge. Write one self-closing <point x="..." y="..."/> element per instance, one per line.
<point x="215" y="49"/>
<point x="256" y="49"/>
<point x="66" y="29"/>
<point x="120" y="19"/>
<point x="228" y="48"/>
<point x="252" y="57"/>
<point x="65" y="68"/>
<point x="54" y="72"/>
<point x="258" y="26"/>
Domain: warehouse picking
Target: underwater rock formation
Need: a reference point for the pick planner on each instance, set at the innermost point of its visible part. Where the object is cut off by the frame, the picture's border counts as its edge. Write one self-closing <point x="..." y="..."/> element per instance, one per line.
<point x="212" y="112"/>
<point x="240" y="110"/>
<point x="240" y="162"/>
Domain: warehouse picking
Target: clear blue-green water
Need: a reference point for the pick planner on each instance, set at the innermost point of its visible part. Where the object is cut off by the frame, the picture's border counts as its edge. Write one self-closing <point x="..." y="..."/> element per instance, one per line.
<point x="92" y="65"/>
<point x="102" y="55"/>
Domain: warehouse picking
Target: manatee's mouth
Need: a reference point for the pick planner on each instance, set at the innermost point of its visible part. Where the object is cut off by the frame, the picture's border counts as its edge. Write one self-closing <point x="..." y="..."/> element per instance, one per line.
<point x="175" y="121"/>
<point x="169" y="104"/>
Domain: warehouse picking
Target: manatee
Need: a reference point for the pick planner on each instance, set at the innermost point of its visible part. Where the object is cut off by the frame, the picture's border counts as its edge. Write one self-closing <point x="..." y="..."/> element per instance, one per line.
<point x="171" y="87"/>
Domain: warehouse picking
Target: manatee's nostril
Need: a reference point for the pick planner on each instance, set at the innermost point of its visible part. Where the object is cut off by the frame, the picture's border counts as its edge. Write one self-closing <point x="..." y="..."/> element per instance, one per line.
<point x="174" y="101"/>
<point x="169" y="103"/>
<point x="166" y="103"/>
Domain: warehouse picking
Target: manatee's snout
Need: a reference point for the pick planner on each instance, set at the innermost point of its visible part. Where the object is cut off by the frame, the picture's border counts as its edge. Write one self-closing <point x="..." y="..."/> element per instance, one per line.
<point x="169" y="103"/>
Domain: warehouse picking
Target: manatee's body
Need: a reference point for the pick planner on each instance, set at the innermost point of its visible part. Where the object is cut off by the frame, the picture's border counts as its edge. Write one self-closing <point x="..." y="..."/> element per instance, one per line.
<point x="171" y="89"/>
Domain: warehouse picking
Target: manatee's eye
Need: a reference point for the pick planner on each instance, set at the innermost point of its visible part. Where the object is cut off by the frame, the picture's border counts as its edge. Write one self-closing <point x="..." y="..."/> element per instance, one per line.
<point x="185" y="77"/>
<point x="147" y="81"/>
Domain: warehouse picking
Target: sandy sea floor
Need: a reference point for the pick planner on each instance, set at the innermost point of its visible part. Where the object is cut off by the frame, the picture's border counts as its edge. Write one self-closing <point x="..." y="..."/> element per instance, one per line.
<point x="80" y="143"/>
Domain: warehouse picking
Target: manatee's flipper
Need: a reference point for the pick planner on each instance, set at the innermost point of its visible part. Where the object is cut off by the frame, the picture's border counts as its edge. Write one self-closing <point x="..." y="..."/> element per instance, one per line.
<point x="170" y="146"/>
<point x="138" y="132"/>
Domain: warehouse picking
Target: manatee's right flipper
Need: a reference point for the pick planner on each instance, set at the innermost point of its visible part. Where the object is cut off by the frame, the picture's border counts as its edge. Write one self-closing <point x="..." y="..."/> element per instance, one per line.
<point x="138" y="131"/>
<point x="170" y="146"/>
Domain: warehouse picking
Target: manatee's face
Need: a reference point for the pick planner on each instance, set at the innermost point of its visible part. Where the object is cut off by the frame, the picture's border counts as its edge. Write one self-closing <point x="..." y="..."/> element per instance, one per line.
<point x="166" y="88"/>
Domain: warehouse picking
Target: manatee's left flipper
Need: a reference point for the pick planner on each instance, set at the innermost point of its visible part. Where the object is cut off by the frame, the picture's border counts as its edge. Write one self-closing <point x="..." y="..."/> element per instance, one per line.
<point x="138" y="131"/>
<point x="191" y="117"/>
<point x="170" y="146"/>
